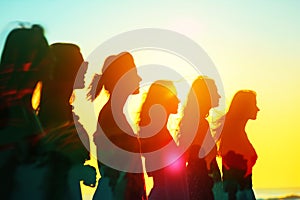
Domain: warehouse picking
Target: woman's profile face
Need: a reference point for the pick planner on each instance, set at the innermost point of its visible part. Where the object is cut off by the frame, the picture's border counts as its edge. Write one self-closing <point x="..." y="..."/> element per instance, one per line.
<point x="215" y="96"/>
<point x="121" y="75"/>
<point x="253" y="109"/>
<point x="129" y="81"/>
<point x="135" y="79"/>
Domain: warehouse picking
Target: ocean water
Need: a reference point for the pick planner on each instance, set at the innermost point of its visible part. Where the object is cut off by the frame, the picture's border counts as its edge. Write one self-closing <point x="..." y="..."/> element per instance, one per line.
<point x="277" y="193"/>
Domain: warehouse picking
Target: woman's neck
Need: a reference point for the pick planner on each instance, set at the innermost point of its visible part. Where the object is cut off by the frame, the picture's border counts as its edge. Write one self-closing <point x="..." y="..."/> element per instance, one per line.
<point x="236" y="125"/>
<point x="241" y="125"/>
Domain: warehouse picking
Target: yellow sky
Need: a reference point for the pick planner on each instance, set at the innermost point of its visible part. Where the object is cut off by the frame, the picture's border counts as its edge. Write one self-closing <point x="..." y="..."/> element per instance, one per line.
<point x="254" y="45"/>
<point x="273" y="134"/>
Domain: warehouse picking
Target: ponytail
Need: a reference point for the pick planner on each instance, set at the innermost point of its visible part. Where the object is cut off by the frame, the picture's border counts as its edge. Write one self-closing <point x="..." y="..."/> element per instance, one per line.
<point x="95" y="87"/>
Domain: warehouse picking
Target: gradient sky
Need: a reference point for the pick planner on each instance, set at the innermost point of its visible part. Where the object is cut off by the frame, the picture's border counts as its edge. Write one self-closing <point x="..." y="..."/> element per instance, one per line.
<point x="254" y="45"/>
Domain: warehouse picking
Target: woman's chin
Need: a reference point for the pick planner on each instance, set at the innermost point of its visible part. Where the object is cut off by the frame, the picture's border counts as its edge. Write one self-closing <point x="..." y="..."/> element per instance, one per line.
<point x="137" y="91"/>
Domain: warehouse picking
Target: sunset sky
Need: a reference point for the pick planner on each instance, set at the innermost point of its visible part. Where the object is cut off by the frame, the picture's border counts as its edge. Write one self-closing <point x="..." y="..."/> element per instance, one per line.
<point x="253" y="44"/>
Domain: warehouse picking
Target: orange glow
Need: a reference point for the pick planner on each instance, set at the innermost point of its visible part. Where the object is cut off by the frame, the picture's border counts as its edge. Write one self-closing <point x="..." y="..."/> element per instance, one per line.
<point x="36" y="96"/>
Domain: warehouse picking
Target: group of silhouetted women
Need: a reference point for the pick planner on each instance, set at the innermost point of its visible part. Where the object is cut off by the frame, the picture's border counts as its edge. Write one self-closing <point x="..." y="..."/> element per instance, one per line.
<point x="43" y="149"/>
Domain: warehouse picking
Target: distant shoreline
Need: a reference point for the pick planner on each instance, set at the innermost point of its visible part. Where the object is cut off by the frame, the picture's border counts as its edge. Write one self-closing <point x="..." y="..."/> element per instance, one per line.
<point x="277" y="193"/>
<point x="291" y="197"/>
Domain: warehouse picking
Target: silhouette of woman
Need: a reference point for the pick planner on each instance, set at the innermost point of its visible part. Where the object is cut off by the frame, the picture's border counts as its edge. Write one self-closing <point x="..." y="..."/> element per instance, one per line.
<point x="66" y="145"/>
<point x="238" y="154"/>
<point x="202" y="168"/>
<point x="118" y="70"/>
<point x="169" y="179"/>
<point x="25" y="60"/>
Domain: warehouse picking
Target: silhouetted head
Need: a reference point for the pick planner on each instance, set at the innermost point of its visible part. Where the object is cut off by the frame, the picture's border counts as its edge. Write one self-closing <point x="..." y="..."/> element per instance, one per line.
<point x="203" y="92"/>
<point x="55" y="105"/>
<point x="243" y="105"/>
<point x="68" y="60"/>
<point x="25" y="60"/>
<point x="26" y="45"/>
<point x="161" y="93"/>
<point x="118" y="69"/>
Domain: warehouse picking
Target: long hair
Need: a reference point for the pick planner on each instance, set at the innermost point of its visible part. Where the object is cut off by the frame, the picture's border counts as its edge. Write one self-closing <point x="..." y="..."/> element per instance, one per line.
<point x="68" y="60"/>
<point x="197" y="106"/>
<point x="26" y="50"/>
<point x="240" y="104"/>
<point x="113" y="68"/>
<point x="199" y="97"/>
<point x="25" y="45"/>
<point x="161" y="92"/>
<point x="235" y="147"/>
<point x="238" y="112"/>
<point x="25" y="60"/>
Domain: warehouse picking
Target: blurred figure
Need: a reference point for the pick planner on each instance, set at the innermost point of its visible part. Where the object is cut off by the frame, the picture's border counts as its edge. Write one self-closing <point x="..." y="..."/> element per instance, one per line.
<point x="25" y="60"/>
<point x="238" y="154"/>
<point x="66" y="142"/>
<point x="202" y="168"/>
<point x="120" y="79"/>
<point x="170" y="179"/>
